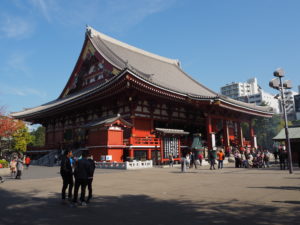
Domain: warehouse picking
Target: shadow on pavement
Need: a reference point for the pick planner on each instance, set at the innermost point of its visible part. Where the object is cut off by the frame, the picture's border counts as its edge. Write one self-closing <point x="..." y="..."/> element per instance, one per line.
<point x="290" y="188"/>
<point x="17" y="208"/>
<point x="288" y="202"/>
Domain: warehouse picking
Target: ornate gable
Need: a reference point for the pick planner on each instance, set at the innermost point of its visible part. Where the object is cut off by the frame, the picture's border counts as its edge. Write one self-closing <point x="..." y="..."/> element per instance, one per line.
<point x="91" y="69"/>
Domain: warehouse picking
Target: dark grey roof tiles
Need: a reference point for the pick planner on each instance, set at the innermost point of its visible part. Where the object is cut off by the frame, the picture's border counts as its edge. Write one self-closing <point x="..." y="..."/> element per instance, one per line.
<point x="160" y="70"/>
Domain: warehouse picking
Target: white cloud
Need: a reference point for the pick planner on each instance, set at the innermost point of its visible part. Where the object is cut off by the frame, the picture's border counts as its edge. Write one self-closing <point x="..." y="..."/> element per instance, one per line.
<point x="22" y="91"/>
<point x="125" y="14"/>
<point x="16" y="63"/>
<point x="114" y="15"/>
<point x="46" y="8"/>
<point x="15" y="27"/>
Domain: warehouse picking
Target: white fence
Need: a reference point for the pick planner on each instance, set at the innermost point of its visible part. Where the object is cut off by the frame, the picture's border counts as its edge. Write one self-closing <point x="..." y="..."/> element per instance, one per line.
<point x="125" y="165"/>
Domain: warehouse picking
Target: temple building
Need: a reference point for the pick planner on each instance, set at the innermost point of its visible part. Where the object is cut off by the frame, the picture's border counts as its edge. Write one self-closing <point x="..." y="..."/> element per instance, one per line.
<point x="122" y="102"/>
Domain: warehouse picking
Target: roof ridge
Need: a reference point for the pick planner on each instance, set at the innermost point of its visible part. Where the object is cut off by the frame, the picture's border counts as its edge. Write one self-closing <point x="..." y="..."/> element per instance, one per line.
<point x="92" y="32"/>
<point x="191" y="78"/>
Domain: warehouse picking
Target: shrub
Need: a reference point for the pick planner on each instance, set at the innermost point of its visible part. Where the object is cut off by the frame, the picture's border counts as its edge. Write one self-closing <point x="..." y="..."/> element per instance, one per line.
<point x="4" y="163"/>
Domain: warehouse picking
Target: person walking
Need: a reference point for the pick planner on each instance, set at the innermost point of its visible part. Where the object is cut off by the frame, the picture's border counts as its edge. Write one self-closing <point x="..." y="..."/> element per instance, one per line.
<point x="195" y="157"/>
<point x="13" y="167"/>
<point x="67" y="175"/>
<point x="27" y="161"/>
<point x="212" y="158"/>
<point x="237" y="157"/>
<point x="183" y="164"/>
<point x="20" y="167"/>
<point x="266" y="159"/>
<point x="188" y="160"/>
<point x="90" y="178"/>
<point x="282" y="159"/>
<point x="200" y="157"/>
<point x="81" y="173"/>
<point x="221" y="157"/>
<point x="171" y="160"/>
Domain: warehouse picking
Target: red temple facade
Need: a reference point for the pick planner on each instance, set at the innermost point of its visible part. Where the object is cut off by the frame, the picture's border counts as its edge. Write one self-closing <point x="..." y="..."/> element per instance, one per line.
<point x="124" y="102"/>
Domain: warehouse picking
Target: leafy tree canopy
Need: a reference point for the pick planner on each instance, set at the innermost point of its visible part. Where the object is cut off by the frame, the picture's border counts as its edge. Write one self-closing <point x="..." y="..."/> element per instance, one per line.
<point x="21" y="138"/>
<point x="38" y="136"/>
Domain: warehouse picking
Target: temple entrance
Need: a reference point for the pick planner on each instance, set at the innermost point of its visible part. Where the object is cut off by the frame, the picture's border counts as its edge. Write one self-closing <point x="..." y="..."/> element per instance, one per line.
<point x="140" y="155"/>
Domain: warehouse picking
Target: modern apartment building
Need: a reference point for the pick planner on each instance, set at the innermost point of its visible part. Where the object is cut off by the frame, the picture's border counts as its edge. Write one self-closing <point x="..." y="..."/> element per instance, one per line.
<point x="250" y="92"/>
<point x="236" y="90"/>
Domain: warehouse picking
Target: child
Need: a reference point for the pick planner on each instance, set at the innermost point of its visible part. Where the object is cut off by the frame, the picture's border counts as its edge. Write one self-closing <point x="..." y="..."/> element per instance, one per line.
<point x="13" y="167"/>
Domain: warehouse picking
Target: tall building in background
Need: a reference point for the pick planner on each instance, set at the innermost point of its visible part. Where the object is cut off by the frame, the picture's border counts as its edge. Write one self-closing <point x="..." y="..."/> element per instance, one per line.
<point x="297" y="105"/>
<point x="250" y="92"/>
<point x="290" y="103"/>
<point x="236" y="90"/>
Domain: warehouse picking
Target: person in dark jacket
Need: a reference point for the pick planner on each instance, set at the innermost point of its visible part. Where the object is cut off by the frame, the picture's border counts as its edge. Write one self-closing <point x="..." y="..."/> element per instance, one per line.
<point x="282" y="159"/>
<point x="81" y="173"/>
<point x="212" y="157"/>
<point x="66" y="174"/>
<point x="91" y="175"/>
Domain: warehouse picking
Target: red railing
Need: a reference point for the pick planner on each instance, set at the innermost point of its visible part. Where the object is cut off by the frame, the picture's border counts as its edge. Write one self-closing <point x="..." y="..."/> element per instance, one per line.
<point x="151" y="141"/>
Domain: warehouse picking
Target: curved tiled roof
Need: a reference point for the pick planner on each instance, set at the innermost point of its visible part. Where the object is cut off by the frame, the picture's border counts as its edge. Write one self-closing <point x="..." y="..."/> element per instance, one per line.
<point x="159" y="71"/>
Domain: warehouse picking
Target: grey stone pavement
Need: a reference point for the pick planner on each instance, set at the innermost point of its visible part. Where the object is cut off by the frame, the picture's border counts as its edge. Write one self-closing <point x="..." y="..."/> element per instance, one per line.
<point x="161" y="196"/>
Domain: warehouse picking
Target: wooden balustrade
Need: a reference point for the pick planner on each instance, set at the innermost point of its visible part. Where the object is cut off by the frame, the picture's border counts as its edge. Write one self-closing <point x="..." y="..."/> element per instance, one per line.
<point x="151" y="141"/>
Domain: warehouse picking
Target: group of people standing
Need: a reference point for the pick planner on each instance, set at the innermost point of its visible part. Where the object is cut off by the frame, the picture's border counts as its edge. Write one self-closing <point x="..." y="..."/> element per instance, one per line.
<point x="83" y="171"/>
<point x="195" y="158"/>
<point x="216" y="154"/>
<point x="17" y="165"/>
<point x="252" y="158"/>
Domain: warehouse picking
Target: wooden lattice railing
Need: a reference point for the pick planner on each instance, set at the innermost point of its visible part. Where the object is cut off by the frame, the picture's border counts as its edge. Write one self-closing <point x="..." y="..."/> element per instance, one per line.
<point x="151" y="141"/>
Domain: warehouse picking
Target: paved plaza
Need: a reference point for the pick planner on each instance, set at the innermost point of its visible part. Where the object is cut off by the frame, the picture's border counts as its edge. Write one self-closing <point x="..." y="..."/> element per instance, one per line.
<point x="160" y="196"/>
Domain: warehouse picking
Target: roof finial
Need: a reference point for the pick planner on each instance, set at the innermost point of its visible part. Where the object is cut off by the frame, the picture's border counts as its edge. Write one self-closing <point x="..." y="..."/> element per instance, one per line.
<point x="89" y="31"/>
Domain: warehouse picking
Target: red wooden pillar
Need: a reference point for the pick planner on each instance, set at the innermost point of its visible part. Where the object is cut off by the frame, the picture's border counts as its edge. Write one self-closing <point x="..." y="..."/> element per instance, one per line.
<point x="225" y="135"/>
<point x="240" y="134"/>
<point x="149" y="154"/>
<point x="209" y="131"/>
<point x="131" y="155"/>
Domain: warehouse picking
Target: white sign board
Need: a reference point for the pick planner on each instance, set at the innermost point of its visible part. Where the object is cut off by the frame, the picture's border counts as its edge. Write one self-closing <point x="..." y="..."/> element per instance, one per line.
<point x="108" y="157"/>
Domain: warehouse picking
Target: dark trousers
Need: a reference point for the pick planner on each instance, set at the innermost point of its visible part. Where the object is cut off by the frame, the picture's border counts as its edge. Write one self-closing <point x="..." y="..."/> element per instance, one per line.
<point x="212" y="163"/>
<point x="80" y="183"/>
<point x="282" y="164"/>
<point x="19" y="174"/>
<point x="67" y="181"/>
<point x="90" y="189"/>
<point x="237" y="162"/>
<point x="220" y="164"/>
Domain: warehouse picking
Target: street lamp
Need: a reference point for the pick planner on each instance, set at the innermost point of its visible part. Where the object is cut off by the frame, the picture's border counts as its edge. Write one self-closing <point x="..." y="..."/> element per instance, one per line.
<point x="277" y="83"/>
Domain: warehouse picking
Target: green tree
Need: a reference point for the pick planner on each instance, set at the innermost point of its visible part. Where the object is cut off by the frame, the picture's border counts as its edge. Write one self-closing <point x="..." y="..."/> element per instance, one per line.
<point x="21" y="138"/>
<point x="38" y="136"/>
<point x="266" y="128"/>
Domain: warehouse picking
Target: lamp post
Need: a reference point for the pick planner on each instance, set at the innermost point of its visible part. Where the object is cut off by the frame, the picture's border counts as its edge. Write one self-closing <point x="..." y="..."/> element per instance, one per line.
<point x="277" y="83"/>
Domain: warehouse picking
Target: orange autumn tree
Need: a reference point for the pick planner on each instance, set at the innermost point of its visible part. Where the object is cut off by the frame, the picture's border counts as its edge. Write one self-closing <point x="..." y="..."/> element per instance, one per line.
<point x="8" y="126"/>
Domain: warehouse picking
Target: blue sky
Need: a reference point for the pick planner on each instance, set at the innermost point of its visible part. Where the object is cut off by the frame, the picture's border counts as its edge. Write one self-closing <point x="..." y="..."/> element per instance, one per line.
<point x="217" y="41"/>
